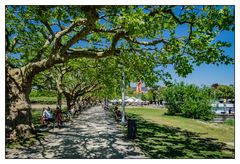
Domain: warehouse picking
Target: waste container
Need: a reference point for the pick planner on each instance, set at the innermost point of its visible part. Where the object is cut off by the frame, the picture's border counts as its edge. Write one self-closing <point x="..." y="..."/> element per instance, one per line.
<point x="132" y="129"/>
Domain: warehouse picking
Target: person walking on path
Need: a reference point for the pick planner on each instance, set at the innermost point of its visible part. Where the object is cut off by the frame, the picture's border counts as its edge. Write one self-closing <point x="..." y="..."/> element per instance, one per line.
<point x="58" y="116"/>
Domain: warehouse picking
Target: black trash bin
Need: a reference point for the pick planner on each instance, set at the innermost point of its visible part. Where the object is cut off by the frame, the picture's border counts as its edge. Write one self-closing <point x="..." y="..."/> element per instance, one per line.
<point x="132" y="129"/>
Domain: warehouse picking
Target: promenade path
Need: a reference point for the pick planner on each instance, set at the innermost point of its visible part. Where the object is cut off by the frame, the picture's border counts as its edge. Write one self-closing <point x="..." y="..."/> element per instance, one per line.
<point x="94" y="134"/>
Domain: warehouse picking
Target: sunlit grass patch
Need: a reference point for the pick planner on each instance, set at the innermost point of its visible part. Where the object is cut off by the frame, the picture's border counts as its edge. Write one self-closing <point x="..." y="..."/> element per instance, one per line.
<point x="162" y="136"/>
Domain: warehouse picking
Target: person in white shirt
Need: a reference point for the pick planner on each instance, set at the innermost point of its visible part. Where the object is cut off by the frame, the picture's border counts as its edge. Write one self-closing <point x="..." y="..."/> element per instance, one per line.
<point x="47" y="116"/>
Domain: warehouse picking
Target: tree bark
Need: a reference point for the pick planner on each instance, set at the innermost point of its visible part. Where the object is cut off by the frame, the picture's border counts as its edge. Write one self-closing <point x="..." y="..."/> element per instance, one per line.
<point x="70" y="101"/>
<point x="18" y="109"/>
<point x="59" y="99"/>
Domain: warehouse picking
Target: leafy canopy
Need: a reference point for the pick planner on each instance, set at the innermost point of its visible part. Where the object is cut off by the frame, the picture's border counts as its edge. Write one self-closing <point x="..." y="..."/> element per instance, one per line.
<point x="139" y="37"/>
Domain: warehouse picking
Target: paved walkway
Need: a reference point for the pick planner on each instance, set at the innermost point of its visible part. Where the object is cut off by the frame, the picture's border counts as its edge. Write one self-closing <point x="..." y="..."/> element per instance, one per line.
<point x="94" y="134"/>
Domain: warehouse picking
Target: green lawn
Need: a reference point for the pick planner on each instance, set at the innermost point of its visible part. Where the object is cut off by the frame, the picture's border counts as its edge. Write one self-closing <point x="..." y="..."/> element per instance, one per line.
<point x="36" y="115"/>
<point x="43" y="100"/>
<point x="163" y="136"/>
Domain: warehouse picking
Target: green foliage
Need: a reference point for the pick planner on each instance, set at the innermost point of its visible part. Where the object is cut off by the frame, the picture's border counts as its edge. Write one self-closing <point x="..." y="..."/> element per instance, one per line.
<point x="43" y="93"/>
<point x="222" y="91"/>
<point x="130" y="91"/>
<point x="36" y="115"/>
<point x="149" y="95"/>
<point x="147" y="36"/>
<point x="43" y="96"/>
<point x="143" y="97"/>
<point x="189" y="101"/>
<point x="43" y="100"/>
<point x="230" y="121"/>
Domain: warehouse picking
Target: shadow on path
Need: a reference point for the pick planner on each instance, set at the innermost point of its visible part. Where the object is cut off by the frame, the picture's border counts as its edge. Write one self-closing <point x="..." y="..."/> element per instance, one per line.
<point x="94" y="134"/>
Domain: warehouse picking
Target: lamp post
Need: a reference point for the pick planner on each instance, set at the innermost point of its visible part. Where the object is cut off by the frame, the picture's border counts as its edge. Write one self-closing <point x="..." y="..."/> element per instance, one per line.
<point x="123" y="94"/>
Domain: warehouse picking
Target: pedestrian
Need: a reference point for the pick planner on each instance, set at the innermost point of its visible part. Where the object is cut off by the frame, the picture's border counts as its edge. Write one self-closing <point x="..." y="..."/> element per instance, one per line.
<point x="58" y="116"/>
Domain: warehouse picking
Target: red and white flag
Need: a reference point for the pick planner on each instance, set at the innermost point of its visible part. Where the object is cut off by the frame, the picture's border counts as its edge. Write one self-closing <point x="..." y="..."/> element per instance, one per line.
<point x="139" y="87"/>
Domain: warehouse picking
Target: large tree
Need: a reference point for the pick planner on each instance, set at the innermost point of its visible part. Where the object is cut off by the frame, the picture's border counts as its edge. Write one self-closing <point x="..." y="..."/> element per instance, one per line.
<point x="38" y="37"/>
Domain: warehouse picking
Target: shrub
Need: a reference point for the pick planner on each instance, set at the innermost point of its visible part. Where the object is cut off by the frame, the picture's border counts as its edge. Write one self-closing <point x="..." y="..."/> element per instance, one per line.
<point x="189" y="101"/>
<point x="229" y="121"/>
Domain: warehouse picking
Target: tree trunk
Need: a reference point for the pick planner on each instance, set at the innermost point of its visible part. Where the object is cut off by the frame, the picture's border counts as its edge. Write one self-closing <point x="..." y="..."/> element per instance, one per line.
<point x="18" y="109"/>
<point x="70" y="101"/>
<point x="59" y="99"/>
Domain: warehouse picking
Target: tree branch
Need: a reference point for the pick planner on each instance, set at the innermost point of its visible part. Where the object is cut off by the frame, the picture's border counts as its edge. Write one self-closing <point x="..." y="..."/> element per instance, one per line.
<point x="87" y="89"/>
<point x="115" y="30"/>
<point x="152" y="43"/>
<point x="48" y="27"/>
<point x="89" y="22"/>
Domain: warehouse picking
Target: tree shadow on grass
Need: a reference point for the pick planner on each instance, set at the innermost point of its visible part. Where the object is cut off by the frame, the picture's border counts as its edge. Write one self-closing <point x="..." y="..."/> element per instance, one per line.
<point x="161" y="141"/>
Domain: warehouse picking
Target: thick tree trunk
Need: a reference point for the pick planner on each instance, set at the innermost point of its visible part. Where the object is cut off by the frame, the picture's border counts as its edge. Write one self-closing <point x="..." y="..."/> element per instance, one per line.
<point x="70" y="101"/>
<point x="18" y="109"/>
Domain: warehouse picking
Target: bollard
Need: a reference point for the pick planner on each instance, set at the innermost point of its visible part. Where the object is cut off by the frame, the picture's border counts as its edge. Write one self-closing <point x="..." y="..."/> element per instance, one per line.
<point x="132" y="129"/>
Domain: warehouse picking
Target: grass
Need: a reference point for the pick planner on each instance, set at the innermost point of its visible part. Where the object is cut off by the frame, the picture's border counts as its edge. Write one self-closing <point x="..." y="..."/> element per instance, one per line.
<point x="43" y="100"/>
<point x="230" y="122"/>
<point x="36" y="115"/>
<point x="163" y="136"/>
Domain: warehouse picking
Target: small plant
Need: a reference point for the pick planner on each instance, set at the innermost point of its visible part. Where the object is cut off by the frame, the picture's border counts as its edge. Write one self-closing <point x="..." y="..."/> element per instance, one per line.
<point x="229" y="121"/>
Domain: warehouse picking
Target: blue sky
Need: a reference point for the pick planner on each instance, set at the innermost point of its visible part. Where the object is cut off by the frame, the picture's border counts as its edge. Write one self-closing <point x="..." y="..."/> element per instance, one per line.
<point x="209" y="74"/>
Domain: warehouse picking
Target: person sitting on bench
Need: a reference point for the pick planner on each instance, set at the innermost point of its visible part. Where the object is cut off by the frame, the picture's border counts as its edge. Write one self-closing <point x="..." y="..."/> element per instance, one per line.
<point x="117" y="111"/>
<point x="47" y="116"/>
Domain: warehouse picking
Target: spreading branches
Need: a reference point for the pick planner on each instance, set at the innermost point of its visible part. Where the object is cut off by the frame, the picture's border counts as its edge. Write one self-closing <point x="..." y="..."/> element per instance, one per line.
<point x="87" y="53"/>
<point x="102" y="30"/>
<point x="89" y="22"/>
<point x="168" y="10"/>
<point x="45" y="22"/>
<point x="191" y="23"/>
<point x="151" y="43"/>
<point x="127" y="28"/>
<point x="91" y="87"/>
